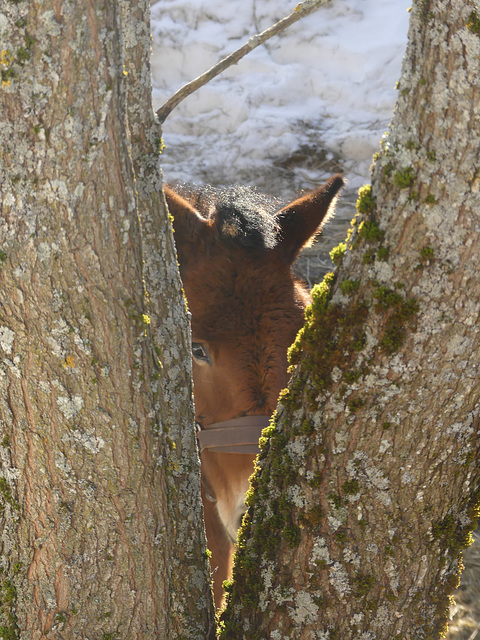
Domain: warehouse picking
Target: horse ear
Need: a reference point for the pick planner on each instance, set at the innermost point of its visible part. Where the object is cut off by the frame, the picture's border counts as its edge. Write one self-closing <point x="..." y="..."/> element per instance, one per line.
<point x="189" y="226"/>
<point x="301" y="221"/>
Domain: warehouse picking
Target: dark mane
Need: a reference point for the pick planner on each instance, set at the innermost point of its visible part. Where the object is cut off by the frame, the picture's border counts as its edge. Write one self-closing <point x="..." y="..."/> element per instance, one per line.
<point x="241" y="214"/>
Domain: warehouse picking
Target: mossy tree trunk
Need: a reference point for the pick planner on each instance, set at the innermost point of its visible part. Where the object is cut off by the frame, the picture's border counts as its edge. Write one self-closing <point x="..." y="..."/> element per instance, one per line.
<point x="368" y="486"/>
<point x="101" y="516"/>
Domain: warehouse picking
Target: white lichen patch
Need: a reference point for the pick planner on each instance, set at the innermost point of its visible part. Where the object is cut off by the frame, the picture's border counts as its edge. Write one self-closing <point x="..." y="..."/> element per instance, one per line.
<point x="462" y="430"/>
<point x="336" y="374"/>
<point x="11" y="474"/>
<point x="384" y="446"/>
<point x="44" y="252"/>
<point x="88" y="441"/>
<point x="4" y="27"/>
<point x="341" y="441"/>
<point x="338" y="578"/>
<point x="296" y="449"/>
<point x="197" y="580"/>
<point x="374" y="478"/>
<point x="8" y="199"/>
<point x="351" y="557"/>
<point x="81" y="344"/>
<point x="70" y="407"/>
<point x="320" y="552"/>
<point x="422" y="572"/>
<point x="305" y="610"/>
<point x="282" y="594"/>
<point x="370" y="341"/>
<point x="334" y="522"/>
<point x="393" y="576"/>
<point x="334" y="408"/>
<point x="105" y="371"/>
<point x="296" y="496"/>
<point x="407" y="477"/>
<point x="357" y="618"/>
<point x="78" y="193"/>
<point x="13" y="369"/>
<point x="268" y="574"/>
<point x="57" y="338"/>
<point x="459" y="345"/>
<point x="382" y="619"/>
<point x="62" y="463"/>
<point x="311" y="475"/>
<point x="56" y="190"/>
<point x="7" y="337"/>
<point x="353" y="497"/>
<point x="383" y="271"/>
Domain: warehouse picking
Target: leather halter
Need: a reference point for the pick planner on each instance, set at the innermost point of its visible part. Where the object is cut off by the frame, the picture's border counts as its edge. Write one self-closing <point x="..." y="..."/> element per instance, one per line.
<point x="239" y="435"/>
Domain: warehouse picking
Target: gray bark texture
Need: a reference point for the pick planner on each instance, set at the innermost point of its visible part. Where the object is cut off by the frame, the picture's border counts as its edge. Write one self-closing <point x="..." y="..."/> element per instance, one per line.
<point x="99" y="480"/>
<point x="367" y="488"/>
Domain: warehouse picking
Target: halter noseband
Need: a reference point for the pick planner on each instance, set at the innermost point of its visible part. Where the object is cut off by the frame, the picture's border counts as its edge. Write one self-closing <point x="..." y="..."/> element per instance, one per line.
<point x="239" y="435"/>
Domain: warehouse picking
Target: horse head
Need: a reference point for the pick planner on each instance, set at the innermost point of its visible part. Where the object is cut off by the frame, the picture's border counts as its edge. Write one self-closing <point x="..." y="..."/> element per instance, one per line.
<point x="235" y="255"/>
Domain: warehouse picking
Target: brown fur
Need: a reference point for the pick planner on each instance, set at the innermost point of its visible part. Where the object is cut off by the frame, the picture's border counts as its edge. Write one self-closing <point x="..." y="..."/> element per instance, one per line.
<point x="246" y="310"/>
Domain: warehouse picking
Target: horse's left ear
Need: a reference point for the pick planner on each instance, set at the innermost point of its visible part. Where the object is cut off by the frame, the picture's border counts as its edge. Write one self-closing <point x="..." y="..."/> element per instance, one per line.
<point x="191" y="229"/>
<point x="301" y="221"/>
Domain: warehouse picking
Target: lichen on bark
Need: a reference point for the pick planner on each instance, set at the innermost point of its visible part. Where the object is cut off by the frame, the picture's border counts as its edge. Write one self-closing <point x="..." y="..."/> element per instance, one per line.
<point x="98" y="450"/>
<point x="368" y="513"/>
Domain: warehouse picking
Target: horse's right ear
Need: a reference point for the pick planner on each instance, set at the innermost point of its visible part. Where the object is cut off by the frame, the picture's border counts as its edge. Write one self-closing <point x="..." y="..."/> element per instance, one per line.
<point x="189" y="226"/>
<point x="302" y="220"/>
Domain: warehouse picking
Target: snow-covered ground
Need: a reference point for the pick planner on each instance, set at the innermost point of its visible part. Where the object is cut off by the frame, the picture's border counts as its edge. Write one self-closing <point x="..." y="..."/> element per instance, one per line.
<point x="311" y="101"/>
<point x="327" y="83"/>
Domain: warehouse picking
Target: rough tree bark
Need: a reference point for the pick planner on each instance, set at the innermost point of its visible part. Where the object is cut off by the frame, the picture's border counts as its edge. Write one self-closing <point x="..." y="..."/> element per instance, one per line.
<point x="369" y="481"/>
<point x="101" y="516"/>
<point x="368" y="486"/>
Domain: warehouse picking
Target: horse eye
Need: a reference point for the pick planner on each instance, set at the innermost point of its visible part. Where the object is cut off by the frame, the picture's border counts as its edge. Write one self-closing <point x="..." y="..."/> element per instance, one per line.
<point x="200" y="353"/>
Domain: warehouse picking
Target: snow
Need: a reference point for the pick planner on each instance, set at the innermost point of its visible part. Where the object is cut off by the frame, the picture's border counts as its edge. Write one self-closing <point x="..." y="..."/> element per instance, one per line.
<point x="313" y="100"/>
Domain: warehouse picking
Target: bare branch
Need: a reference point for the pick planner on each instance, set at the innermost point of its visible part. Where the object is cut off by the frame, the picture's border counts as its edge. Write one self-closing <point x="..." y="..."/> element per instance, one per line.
<point x="301" y="10"/>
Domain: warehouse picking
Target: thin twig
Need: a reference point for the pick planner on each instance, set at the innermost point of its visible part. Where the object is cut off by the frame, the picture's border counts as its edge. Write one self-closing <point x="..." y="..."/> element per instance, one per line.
<point x="474" y="634"/>
<point x="301" y="10"/>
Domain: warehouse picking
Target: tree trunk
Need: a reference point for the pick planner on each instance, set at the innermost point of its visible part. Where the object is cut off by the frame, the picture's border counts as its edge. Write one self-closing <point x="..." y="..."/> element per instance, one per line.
<point x="99" y="477"/>
<point x="368" y="486"/>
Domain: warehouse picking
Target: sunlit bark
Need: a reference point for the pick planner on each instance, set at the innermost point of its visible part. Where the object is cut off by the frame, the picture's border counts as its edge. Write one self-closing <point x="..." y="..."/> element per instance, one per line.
<point x="101" y="519"/>
<point x="368" y="487"/>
